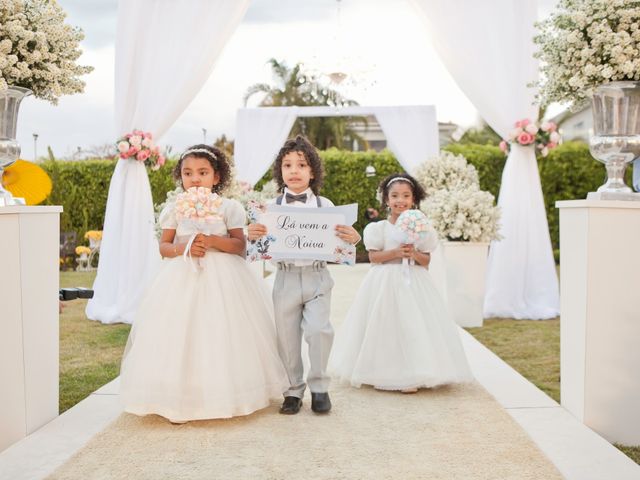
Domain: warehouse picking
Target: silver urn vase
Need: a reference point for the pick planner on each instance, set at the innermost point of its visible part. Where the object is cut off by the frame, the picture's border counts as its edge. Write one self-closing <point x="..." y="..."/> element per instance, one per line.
<point x="616" y="136"/>
<point x="9" y="148"/>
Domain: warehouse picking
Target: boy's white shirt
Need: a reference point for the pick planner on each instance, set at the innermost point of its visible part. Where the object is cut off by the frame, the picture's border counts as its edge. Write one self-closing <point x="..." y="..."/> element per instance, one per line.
<point x="310" y="203"/>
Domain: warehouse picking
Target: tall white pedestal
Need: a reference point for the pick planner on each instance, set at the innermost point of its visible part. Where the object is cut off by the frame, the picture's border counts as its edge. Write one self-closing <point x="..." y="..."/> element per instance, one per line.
<point x="29" y="338"/>
<point x="600" y="315"/>
<point x="466" y="271"/>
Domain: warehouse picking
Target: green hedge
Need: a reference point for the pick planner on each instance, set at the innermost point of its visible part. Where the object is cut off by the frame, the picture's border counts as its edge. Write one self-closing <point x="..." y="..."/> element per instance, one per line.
<point x="569" y="172"/>
<point x="81" y="187"/>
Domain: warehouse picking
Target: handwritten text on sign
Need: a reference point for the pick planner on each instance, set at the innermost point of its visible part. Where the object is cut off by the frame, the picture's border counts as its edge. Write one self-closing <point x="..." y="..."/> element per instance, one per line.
<point x="308" y="233"/>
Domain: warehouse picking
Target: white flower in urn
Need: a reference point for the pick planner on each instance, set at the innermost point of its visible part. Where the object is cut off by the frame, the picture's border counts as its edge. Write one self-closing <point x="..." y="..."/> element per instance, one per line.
<point x="446" y="171"/>
<point x="38" y="50"/>
<point x="585" y="43"/>
<point x="456" y="207"/>
<point x="463" y="215"/>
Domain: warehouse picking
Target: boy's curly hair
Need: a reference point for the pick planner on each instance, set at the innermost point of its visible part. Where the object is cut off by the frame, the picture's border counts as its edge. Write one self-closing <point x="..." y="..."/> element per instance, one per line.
<point x="304" y="146"/>
<point x="215" y="157"/>
<point x="416" y="189"/>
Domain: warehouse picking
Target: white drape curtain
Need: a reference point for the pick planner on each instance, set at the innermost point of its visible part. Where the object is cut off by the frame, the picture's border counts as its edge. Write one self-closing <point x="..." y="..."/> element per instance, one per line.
<point x="411" y="132"/>
<point x="165" y="51"/>
<point x="487" y="47"/>
<point x="260" y="133"/>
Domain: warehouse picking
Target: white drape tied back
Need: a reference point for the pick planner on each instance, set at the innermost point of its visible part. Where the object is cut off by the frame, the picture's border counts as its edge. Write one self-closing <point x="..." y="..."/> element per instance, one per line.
<point x="165" y="51"/>
<point x="488" y="49"/>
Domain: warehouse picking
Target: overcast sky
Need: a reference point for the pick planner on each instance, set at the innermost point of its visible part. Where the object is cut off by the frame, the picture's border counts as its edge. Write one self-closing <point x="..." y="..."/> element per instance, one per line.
<point x="384" y="39"/>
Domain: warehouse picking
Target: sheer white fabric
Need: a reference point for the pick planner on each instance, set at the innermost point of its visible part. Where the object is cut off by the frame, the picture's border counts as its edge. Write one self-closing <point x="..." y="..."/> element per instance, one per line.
<point x="165" y="51"/>
<point x="411" y="132"/>
<point x="260" y="133"/>
<point x="487" y="47"/>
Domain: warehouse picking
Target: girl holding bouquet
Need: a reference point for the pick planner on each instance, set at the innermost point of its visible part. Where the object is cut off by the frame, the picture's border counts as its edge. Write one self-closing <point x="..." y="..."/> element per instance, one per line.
<point x="203" y="341"/>
<point x="398" y="334"/>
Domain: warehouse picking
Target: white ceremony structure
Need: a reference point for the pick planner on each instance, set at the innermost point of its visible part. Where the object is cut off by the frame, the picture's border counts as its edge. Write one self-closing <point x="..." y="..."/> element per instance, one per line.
<point x="496" y="39"/>
<point x="487" y="48"/>
<point x="157" y="76"/>
<point x="411" y="131"/>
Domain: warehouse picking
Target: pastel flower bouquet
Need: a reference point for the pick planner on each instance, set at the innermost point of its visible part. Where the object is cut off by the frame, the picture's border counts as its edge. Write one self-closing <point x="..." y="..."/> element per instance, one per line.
<point x="138" y="145"/>
<point x="199" y="205"/>
<point x="197" y="211"/>
<point x="410" y="227"/>
<point x="543" y="137"/>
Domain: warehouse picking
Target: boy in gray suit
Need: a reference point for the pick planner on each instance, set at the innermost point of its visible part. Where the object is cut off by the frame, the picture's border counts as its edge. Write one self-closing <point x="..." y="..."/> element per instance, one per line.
<point x="302" y="288"/>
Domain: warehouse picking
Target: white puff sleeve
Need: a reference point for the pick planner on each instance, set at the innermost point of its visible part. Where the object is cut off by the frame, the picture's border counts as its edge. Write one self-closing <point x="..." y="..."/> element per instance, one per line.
<point x="234" y="214"/>
<point x="373" y="236"/>
<point x="430" y="242"/>
<point x="167" y="218"/>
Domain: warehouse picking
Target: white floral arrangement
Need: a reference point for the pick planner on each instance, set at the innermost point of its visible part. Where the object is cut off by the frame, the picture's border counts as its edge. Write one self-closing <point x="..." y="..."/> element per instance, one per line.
<point x="463" y="215"/>
<point x="586" y="43"/>
<point x="456" y="207"/>
<point x="38" y="50"/>
<point x="447" y="171"/>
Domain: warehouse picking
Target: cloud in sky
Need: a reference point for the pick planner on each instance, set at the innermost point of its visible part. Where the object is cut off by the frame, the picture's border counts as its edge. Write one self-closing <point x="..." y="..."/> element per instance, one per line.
<point x="385" y="35"/>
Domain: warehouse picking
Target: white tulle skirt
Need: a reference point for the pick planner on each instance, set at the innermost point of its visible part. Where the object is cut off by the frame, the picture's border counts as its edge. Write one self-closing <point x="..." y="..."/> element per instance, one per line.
<point x="397" y="335"/>
<point x="203" y="343"/>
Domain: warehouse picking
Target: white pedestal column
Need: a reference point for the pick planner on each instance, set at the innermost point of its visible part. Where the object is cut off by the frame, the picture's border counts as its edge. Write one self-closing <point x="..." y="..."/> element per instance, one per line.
<point x="600" y="315"/>
<point x="29" y="335"/>
<point x="466" y="270"/>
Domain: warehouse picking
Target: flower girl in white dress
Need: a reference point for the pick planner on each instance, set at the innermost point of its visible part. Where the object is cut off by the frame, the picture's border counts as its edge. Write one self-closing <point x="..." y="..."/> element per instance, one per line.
<point x="398" y="334"/>
<point x="203" y="342"/>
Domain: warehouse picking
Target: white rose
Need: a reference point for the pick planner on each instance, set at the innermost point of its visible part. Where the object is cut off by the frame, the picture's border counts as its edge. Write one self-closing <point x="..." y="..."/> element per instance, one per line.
<point x="532" y="128"/>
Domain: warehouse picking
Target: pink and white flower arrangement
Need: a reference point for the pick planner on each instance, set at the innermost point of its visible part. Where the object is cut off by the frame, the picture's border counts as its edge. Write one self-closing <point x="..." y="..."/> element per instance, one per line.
<point x="544" y="137"/>
<point x="138" y="145"/>
<point x="199" y="205"/>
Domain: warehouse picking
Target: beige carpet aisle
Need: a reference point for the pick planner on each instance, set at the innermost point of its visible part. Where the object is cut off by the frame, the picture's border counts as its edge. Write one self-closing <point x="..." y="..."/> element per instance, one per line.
<point x="447" y="433"/>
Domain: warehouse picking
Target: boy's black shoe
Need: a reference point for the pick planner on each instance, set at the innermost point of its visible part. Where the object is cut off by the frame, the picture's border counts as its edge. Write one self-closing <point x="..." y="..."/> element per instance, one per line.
<point x="291" y="405"/>
<point x="320" y="402"/>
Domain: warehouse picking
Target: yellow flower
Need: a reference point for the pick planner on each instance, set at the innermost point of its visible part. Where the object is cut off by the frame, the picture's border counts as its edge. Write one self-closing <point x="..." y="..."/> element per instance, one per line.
<point x="82" y="249"/>
<point x="93" y="234"/>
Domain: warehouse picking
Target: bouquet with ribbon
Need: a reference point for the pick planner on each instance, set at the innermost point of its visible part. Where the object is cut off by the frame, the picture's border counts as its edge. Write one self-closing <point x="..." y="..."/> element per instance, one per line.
<point x="197" y="212"/>
<point x="410" y="227"/>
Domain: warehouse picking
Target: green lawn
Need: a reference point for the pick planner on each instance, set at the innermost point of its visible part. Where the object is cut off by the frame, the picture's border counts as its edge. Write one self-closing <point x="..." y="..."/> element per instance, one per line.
<point x="90" y="352"/>
<point x="531" y="347"/>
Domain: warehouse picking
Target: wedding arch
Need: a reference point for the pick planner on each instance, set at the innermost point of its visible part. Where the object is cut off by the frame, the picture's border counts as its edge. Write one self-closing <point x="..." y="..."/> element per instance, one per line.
<point x="486" y="46"/>
<point x="411" y="131"/>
